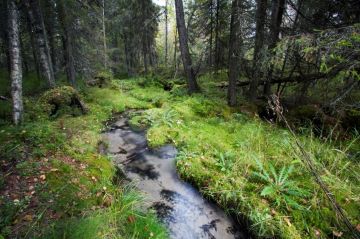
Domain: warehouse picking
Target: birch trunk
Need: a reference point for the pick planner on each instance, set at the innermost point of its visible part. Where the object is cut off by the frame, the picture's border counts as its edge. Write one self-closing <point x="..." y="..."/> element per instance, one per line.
<point x="15" y="62"/>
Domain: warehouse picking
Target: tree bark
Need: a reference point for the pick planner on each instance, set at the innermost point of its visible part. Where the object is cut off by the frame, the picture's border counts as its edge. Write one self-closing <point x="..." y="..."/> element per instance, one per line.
<point x="277" y="12"/>
<point x="166" y="32"/>
<point x="211" y="11"/>
<point x="104" y="34"/>
<point x="217" y="35"/>
<point x="184" y="47"/>
<point x="67" y="44"/>
<point x="50" y="26"/>
<point x="259" y="44"/>
<point x="15" y="62"/>
<point x="33" y="48"/>
<point x="234" y="51"/>
<point x="38" y="28"/>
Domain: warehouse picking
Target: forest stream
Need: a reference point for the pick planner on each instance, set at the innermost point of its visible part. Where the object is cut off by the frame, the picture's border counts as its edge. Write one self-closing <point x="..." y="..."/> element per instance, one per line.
<point x="185" y="212"/>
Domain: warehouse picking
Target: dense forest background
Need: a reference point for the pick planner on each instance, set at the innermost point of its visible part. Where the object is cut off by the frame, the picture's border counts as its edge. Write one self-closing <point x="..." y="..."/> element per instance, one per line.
<point x="292" y="63"/>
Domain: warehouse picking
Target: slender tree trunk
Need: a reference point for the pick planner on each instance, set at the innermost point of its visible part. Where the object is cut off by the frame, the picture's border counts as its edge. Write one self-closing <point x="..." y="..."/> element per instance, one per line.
<point x="217" y="34"/>
<point x="259" y="44"/>
<point x="184" y="47"/>
<point x="50" y="26"/>
<point x="37" y="23"/>
<point x="234" y="51"/>
<point x="23" y="56"/>
<point x="33" y="48"/>
<point x="67" y="44"/>
<point x="104" y="34"/>
<point x="166" y="32"/>
<point x="211" y="9"/>
<point x="277" y="12"/>
<point x="175" y="49"/>
<point x="15" y="62"/>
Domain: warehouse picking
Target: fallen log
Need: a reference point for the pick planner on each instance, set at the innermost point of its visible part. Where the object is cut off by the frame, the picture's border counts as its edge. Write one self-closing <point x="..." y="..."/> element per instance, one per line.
<point x="294" y="79"/>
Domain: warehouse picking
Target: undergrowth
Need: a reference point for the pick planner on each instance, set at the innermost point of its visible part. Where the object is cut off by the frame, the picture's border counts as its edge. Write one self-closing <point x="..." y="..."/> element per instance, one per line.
<point x="250" y="167"/>
<point x="55" y="184"/>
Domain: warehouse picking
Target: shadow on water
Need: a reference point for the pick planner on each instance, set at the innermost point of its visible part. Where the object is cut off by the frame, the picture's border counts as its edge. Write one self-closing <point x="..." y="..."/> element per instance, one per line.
<point x="185" y="212"/>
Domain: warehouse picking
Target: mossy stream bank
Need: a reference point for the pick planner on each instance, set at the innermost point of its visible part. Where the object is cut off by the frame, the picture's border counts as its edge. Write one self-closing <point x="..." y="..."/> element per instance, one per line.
<point x="178" y="204"/>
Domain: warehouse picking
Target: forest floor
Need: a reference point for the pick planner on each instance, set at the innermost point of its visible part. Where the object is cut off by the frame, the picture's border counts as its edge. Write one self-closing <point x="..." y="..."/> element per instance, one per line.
<point x="60" y="183"/>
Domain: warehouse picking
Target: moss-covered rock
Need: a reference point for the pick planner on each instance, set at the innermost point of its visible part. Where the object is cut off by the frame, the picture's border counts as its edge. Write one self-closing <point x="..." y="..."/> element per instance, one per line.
<point x="62" y="100"/>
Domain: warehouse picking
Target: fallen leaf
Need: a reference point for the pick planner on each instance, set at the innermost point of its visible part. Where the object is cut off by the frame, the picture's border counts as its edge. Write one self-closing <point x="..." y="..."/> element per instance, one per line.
<point x="337" y="234"/>
<point x="28" y="218"/>
<point x="42" y="177"/>
<point x="317" y="233"/>
<point x="54" y="170"/>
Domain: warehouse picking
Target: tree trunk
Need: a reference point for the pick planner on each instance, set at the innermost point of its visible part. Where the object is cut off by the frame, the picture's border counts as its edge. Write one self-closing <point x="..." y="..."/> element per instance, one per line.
<point x="277" y="11"/>
<point x="33" y="48"/>
<point x="37" y="23"/>
<point x="50" y="26"/>
<point x="104" y="34"/>
<point x="259" y="43"/>
<point x="67" y="44"/>
<point x="217" y="35"/>
<point x="184" y="47"/>
<point x="166" y="32"/>
<point x="15" y="62"/>
<point x="234" y="51"/>
<point x="211" y="9"/>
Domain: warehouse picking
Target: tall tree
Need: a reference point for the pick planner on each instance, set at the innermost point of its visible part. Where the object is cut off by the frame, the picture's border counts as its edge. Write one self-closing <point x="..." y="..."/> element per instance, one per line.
<point x="67" y="40"/>
<point x="38" y="27"/>
<point x="217" y="34"/>
<point x="258" y="48"/>
<point x="277" y="12"/>
<point x="234" y="50"/>
<point x="184" y="47"/>
<point x="166" y="31"/>
<point x="104" y="34"/>
<point x="15" y="61"/>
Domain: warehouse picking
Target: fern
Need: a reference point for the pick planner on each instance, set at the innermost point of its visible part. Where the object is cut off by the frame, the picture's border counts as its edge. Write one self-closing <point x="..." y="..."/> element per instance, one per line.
<point x="278" y="187"/>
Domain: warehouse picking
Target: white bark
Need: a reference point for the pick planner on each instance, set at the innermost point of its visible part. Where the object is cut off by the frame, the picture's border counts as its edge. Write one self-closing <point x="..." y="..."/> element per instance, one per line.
<point x="15" y="62"/>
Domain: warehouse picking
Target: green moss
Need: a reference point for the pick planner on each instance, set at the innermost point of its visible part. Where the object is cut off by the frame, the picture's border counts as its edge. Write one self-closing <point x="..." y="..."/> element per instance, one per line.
<point x="63" y="100"/>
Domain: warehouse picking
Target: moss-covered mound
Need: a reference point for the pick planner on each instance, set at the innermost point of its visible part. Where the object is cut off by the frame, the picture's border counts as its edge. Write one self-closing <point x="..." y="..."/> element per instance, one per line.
<point x="62" y="100"/>
<point x="101" y="80"/>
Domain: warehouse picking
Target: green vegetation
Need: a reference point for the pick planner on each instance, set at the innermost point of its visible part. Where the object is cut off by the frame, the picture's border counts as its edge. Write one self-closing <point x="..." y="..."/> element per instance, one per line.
<point x="251" y="167"/>
<point x="55" y="182"/>
<point x="248" y="166"/>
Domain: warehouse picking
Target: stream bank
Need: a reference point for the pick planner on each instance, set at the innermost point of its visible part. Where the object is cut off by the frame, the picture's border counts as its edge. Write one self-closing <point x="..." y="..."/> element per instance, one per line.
<point x="185" y="212"/>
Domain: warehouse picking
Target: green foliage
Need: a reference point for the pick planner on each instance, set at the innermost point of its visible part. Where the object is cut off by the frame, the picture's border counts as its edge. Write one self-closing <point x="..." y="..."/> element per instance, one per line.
<point x="225" y="161"/>
<point x="278" y="187"/>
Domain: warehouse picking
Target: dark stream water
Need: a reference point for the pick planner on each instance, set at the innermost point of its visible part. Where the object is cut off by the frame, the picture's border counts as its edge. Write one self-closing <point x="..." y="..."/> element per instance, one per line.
<point x="178" y="204"/>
